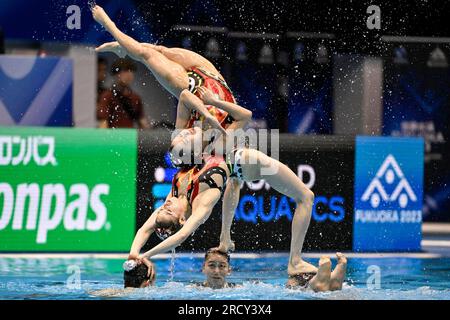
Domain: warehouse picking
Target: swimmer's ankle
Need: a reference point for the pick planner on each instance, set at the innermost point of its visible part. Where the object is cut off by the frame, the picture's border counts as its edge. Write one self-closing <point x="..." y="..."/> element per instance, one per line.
<point x="300" y="266"/>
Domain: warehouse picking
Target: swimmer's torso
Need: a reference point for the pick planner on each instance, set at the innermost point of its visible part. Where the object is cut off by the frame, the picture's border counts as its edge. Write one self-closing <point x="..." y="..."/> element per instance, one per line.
<point x="192" y="181"/>
<point x="199" y="77"/>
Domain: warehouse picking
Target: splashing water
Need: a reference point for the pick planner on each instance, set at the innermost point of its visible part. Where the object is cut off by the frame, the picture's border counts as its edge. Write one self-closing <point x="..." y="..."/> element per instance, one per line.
<point x="258" y="279"/>
<point x="91" y="4"/>
<point x="172" y="266"/>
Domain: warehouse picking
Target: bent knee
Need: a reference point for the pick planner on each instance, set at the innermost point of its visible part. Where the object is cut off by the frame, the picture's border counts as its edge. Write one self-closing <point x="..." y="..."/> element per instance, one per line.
<point x="307" y="197"/>
<point x="144" y="53"/>
<point x="310" y="196"/>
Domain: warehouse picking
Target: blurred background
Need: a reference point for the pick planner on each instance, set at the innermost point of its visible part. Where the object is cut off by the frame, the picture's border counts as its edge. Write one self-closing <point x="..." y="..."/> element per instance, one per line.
<point x="321" y="72"/>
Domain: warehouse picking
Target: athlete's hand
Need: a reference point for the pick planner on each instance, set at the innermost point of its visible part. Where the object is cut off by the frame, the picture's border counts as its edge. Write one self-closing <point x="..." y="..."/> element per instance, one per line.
<point x="133" y="257"/>
<point x="114" y="47"/>
<point x="151" y="273"/>
<point x="206" y="95"/>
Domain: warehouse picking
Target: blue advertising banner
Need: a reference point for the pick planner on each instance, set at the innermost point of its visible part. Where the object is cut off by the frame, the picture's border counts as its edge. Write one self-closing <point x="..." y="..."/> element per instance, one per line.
<point x="35" y="91"/>
<point x="388" y="194"/>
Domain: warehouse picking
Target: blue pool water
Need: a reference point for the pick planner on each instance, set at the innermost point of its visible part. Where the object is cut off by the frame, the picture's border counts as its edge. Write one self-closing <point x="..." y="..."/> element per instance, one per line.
<point x="262" y="278"/>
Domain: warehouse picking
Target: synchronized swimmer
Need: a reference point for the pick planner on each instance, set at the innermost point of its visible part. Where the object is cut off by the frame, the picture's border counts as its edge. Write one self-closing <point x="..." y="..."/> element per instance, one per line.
<point x="205" y="102"/>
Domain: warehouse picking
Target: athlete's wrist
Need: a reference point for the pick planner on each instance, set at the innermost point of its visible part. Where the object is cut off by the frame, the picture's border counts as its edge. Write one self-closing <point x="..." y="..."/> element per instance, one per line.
<point x="212" y="101"/>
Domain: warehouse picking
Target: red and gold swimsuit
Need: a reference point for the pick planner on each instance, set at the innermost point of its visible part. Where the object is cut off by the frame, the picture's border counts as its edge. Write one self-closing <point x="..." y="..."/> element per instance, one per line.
<point x="199" y="77"/>
<point x="187" y="181"/>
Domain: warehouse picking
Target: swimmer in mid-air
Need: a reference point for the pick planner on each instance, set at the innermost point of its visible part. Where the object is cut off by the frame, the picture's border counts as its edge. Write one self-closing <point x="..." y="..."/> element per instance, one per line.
<point x="185" y="74"/>
<point x="178" y="70"/>
<point x="196" y="189"/>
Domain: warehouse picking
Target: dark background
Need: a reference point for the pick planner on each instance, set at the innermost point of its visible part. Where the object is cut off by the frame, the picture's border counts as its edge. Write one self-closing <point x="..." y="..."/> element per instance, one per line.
<point x="333" y="161"/>
<point x="42" y="20"/>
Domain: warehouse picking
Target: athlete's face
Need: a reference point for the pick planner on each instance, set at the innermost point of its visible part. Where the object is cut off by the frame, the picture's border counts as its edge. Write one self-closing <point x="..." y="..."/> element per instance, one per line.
<point x="170" y="215"/>
<point x="172" y="207"/>
<point x="216" y="268"/>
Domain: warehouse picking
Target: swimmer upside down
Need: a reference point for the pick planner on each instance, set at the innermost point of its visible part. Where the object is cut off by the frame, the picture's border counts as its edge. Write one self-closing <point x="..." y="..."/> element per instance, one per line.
<point x="178" y="70"/>
<point x="196" y="190"/>
<point x="186" y="75"/>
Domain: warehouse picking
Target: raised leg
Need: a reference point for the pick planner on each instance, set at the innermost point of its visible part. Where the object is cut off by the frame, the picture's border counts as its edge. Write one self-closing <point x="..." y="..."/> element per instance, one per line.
<point x="338" y="274"/>
<point x="229" y="205"/>
<point x="321" y="281"/>
<point x="188" y="59"/>
<point x="171" y="75"/>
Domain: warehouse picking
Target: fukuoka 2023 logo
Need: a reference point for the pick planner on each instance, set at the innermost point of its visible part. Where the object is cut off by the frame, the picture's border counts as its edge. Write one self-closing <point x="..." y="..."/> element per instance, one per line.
<point x="387" y="174"/>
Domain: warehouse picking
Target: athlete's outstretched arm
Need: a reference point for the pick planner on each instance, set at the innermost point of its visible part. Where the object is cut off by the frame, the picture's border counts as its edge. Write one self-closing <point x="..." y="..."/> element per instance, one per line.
<point x="142" y="235"/>
<point x="201" y="210"/>
<point x="144" y="232"/>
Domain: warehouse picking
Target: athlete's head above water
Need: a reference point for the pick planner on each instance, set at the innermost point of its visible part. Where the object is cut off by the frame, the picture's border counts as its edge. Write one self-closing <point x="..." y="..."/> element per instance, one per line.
<point x="137" y="277"/>
<point x="170" y="217"/>
<point x="216" y="267"/>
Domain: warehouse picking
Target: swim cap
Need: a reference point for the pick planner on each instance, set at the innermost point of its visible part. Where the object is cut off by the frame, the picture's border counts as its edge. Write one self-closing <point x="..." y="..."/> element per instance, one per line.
<point x="129" y="265"/>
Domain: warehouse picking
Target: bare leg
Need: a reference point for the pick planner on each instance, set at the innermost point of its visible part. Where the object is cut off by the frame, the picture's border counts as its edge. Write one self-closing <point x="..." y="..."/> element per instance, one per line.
<point x="229" y="205"/>
<point x="116" y="48"/>
<point x="171" y="75"/>
<point x="186" y="58"/>
<point x="286" y="182"/>
<point x="189" y="59"/>
<point x="338" y="274"/>
<point x="321" y="281"/>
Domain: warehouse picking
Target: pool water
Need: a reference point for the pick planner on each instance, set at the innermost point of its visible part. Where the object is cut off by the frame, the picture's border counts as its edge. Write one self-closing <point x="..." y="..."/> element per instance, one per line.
<point x="261" y="278"/>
